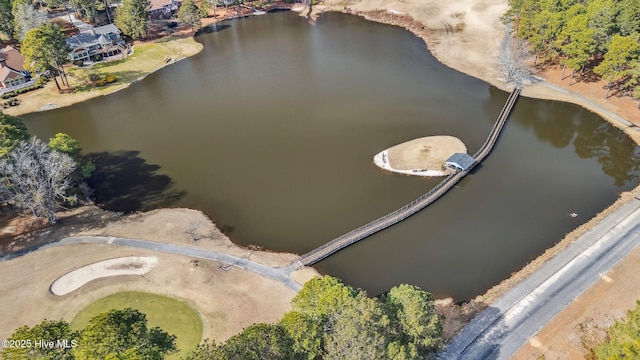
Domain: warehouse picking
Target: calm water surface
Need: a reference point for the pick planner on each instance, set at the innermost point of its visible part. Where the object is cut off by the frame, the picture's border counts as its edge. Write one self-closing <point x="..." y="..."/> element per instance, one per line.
<point x="271" y="131"/>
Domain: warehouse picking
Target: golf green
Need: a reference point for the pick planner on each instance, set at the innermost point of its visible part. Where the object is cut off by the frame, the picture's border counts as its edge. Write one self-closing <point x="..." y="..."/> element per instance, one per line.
<point x="173" y="316"/>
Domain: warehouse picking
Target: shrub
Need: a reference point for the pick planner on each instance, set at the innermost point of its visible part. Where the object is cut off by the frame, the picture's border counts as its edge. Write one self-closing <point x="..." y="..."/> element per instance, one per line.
<point x="110" y="79"/>
<point x="15" y="93"/>
<point x="100" y="82"/>
<point x="41" y="80"/>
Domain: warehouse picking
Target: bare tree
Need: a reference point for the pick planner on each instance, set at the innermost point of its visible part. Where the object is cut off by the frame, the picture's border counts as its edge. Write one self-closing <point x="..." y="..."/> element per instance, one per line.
<point x="27" y="17"/>
<point x="512" y="57"/>
<point x="35" y="178"/>
<point x="193" y="230"/>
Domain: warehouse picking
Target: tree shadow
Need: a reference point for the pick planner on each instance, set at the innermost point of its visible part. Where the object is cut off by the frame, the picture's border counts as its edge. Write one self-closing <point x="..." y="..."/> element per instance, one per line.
<point x="125" y="182"/>
<point x="213" y="28"/>
<point x="27" y="234"/>
<point x="476" y="336"/>
<point x="122" y="77"/>
<point x="562" y="125"/>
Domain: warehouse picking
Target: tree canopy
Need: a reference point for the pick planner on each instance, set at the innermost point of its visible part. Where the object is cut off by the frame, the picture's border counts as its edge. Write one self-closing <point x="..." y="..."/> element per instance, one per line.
<point x="113" y="335"/>
<point x="623" y="51"/>
<point x="330" y="320"/>
<point x="190" y="14"/>
<point x="70" y="146"/>
<point x="414" y="311"/>
<point x="132" y="18"/>
<point x="6" y="19"/>
<point x="45" y="48"/>
<point x="123" y="334"/>
<point x="623" y="338"/>
<point x="12" y="131"/>
<point x="260" y="342"/>
<point x="36" y="179"/>
<point x="305" y="333"/>
<point x="583" y="33"/>
<point x="57" y="332"/>
<point x="26" y="17"/>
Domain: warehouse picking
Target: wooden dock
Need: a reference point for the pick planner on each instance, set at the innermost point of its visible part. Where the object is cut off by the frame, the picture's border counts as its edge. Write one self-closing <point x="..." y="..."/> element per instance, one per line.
<point x="420" y="203"/>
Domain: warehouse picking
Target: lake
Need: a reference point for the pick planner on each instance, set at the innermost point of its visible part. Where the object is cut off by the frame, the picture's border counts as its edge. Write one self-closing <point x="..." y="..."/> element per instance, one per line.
<point x="271" y="131"/>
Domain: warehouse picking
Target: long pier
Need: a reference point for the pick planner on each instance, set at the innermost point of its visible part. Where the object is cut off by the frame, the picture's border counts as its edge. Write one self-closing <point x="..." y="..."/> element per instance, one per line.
<point x="418" y="204"/>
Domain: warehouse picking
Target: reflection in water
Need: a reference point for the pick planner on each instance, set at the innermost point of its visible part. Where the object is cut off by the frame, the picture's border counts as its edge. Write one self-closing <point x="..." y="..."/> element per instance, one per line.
<point x="608" y="144"/>
<point x="124" y="182"/>
<point x="563" y="124"/>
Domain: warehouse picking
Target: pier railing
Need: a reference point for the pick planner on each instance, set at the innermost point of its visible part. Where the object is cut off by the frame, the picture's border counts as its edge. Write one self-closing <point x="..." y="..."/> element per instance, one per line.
<point x="418" y="204"/>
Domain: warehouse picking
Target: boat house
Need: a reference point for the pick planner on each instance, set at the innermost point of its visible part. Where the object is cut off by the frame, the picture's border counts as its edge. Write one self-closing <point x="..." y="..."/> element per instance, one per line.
<point x="460" y="161"/>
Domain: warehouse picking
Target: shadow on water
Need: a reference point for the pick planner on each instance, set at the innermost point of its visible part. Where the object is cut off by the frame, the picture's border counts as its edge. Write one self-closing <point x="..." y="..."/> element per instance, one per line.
<point x="610" y="147"/>
<point x="124" y="182"/>
<point x="278" y="10"/>
<point x="561" y="125"/>
<point x="213" y="28"/>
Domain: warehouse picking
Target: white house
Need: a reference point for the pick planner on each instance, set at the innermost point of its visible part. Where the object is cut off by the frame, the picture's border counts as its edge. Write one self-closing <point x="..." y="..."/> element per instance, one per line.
<point x="96" y="44"/>
<point x="13" y="75"/>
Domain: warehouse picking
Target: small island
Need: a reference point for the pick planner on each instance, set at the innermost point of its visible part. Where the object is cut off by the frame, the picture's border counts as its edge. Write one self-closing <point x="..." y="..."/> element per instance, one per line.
<point x="424" y="156"/>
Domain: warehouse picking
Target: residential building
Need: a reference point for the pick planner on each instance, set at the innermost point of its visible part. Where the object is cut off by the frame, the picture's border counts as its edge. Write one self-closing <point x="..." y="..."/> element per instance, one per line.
<point x="163" y="9"/>
<point x="95" y="44"/>
<point x="13" y="75"/>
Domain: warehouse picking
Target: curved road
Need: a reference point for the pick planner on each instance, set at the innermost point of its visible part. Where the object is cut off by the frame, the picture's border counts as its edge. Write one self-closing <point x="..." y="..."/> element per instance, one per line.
<point x="281" y="274"/>
<point x="501" y="329"/>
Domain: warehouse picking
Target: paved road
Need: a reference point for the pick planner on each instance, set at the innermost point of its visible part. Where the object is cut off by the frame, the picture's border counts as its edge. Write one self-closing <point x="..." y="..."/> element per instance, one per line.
<point x="282" y="274"/>
<point x="500" y="330"/>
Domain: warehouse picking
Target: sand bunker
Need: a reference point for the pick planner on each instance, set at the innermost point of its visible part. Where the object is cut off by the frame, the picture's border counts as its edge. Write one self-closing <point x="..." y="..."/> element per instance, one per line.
<point x="132" y="265"/>
<point x="423" y="156"/>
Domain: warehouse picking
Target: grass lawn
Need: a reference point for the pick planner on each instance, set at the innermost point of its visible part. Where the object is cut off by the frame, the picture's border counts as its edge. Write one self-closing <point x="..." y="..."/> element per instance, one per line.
<point x="173" y="316"/>
<point x="147" y="58"/>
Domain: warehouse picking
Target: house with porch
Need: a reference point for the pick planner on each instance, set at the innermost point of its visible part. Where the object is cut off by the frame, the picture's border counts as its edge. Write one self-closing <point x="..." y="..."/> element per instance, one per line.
<point x="163" y="9"/>
<point x="13" y="75"/>
<point x="96" y="44"/>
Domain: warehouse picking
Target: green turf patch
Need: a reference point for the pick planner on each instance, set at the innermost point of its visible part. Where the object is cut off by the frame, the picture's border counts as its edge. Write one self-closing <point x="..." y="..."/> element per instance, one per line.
<point x="171" y="315"/>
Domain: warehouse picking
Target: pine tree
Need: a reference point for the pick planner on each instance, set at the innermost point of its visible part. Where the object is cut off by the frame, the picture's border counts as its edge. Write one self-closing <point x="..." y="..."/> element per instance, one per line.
<point x="132" y="18"/>
<point x="189" y="14"/>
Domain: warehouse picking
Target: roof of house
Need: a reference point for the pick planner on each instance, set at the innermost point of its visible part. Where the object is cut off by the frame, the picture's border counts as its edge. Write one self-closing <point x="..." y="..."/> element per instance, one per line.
<point x="106" y="29"/>
<point x="159" y="4"/>
<point x="8" y="74"/>
<point x="98" y="35"/>
<point x="12" y="58"/>
<point x="461" y="160"/>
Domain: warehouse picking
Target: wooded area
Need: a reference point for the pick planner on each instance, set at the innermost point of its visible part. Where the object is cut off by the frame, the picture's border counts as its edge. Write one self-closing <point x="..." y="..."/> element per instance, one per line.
<point x="331" y="320"/>
<point x="590" y="37"/>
